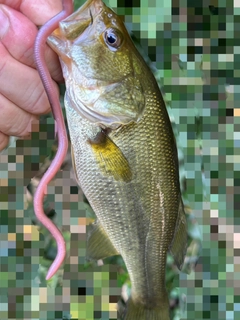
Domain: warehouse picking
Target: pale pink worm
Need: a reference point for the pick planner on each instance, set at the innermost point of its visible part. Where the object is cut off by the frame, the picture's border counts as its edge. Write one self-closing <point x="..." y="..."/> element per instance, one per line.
<point x="39" y="50"/>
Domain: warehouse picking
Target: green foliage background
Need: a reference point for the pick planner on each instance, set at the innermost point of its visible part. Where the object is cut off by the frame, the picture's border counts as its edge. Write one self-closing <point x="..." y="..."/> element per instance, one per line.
<point x="195" y="50"/>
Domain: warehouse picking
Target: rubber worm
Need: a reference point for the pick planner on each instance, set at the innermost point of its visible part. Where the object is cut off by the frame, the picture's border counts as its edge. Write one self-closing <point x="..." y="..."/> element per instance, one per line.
<point x="39" y="49"/>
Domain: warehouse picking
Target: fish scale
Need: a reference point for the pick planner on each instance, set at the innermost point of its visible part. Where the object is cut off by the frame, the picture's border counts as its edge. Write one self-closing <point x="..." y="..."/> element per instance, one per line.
<point x="127" y="166"/>
<point x="111" y="199"/>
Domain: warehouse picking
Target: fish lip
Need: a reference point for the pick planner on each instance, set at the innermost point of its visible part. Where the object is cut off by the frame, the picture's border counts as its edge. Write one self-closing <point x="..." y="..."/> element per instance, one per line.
<point x="93" y="6"/>
<point x="83" y="17"/>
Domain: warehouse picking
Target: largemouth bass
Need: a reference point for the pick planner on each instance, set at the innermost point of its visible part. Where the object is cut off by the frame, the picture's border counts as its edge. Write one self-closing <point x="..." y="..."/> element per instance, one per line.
<point x="124" y="153"/>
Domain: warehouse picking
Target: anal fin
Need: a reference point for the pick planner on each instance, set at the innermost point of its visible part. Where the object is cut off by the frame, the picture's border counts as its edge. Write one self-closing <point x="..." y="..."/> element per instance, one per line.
<point x="99" y="245"/>
<point x="178" y="247"/>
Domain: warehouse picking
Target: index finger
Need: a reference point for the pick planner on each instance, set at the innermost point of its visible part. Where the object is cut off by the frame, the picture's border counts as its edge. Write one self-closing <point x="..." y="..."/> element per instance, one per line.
<point x="37" y="11"/>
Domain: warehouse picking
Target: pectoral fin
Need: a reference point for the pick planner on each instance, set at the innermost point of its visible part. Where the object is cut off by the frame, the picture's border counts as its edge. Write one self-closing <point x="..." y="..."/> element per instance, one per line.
<point x="110" y="158"/>
<point x="179" y="245"/>
<point x="99" y="245"/>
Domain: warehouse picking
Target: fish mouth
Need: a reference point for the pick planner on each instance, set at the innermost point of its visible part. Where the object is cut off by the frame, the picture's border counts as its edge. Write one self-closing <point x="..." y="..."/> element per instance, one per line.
<point x="74" y="26"/>
<point x="77" y="22"/>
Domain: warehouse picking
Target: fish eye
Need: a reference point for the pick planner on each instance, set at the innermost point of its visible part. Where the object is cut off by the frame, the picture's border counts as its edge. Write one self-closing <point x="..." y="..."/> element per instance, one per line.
<point x="113" y="38"/>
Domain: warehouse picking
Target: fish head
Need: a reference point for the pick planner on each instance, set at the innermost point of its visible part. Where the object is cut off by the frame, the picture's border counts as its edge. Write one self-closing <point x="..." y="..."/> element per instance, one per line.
<point x="103" y="70"/>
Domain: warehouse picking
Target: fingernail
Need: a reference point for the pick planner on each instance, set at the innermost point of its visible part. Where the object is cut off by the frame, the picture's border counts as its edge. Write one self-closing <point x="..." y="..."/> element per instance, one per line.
<point x="4" y="23"/>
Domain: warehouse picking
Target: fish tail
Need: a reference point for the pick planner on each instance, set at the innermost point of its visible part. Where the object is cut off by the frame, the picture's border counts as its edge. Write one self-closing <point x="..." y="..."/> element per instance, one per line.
<point x="136" y="311"/>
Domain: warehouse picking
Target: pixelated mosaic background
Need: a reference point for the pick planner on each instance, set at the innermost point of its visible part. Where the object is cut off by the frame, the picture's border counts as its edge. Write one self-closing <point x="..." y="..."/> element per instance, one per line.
<point x="195" y="50"/>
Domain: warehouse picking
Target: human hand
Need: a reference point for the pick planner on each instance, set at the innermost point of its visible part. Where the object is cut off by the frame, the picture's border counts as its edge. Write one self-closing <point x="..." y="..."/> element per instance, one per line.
<point x="22" y="96"/>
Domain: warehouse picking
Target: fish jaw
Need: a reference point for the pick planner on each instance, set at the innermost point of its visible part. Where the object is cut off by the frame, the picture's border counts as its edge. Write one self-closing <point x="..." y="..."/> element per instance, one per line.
<point x="72" y="26"/>
<point x="110" y="96"/>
